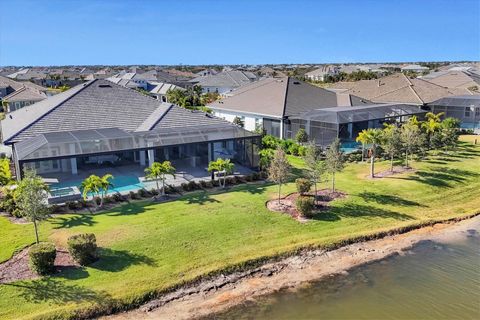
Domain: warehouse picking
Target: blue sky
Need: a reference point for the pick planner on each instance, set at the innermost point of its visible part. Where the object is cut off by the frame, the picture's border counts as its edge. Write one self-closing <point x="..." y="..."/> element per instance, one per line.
<point x="236" y="32"/>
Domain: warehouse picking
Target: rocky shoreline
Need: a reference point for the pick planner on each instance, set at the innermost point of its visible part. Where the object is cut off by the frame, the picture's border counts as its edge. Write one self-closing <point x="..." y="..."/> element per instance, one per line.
<point x="225" y="291"/>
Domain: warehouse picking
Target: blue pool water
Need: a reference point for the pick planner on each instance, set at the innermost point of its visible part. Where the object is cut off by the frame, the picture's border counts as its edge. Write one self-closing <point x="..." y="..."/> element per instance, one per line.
<point x="350" y="146"/>
<point x="123" y="183"/>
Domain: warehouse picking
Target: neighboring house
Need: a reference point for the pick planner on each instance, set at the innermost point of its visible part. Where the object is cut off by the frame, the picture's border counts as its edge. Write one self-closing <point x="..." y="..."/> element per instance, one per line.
<point x="134" y="80"/>
<point x="454" y="79"/>
<point x="414" y="68"/>
<point x="224" y="82"/>
<point x="15" y="95"/>
<point x="101" y="125"/>
<point x="464" y="108"/>
<point x="281" y="107"/>
<point x="321" y="73"/>
<point x="206" y="72"/>
<point x="398" y="88"/>
<point x="159" y="90"/>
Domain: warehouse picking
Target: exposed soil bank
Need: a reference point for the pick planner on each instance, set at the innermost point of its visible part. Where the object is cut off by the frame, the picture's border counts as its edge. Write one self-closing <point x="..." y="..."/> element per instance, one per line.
<point x="224" y="291"/>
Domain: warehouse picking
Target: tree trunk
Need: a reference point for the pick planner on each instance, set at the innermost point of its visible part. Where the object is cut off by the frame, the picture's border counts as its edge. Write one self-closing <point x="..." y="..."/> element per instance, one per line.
<point x="101" y="200"/>
<point x="163" y="185"/>
<point x="158" y="187"/>
<point x="333" y="182"/>
<point x="391" y="162"/>
<point x="372" y="166"/>
<point x="315" y="197"/>
<point x="36" y="230"/>
<point x="363" y="152"/>
<point x="406" y="159"/>
<point x="279" y="191"/>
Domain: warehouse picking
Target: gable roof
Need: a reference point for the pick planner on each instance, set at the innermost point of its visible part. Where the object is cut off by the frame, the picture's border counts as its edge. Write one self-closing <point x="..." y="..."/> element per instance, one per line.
<point x="232" y="79"/>
<point x="279" y="97"/>
<point x="451" y="79"/>
<point x="400" y="89"/>
<point x="25" y="94"/>
<point x="16" y="85"/>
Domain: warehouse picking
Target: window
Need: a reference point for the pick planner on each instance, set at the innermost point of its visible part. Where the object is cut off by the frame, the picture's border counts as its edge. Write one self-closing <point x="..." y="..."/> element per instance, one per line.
<point x="477" y="112"/>
<point x="467" y="112"/>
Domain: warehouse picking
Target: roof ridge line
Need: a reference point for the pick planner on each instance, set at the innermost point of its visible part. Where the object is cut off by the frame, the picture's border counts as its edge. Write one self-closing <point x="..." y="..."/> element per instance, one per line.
<point x="85" y="85"/>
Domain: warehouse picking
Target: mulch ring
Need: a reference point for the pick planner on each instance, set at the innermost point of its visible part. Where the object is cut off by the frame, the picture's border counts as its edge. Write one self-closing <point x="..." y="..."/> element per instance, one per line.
<point x="17" y="267"/>
<point x="387" y="173"/>
<point x="287" y="204"/>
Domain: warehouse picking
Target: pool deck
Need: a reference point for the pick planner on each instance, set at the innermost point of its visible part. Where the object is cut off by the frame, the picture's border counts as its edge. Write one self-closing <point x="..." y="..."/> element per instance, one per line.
<point x="132" y="175"/>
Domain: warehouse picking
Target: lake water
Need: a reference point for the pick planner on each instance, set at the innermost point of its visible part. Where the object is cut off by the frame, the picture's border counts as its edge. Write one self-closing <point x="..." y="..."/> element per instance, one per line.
<point x="432" y="281"/>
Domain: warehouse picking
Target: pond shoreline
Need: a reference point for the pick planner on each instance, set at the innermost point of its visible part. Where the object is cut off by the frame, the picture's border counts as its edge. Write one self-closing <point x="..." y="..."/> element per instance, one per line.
<point x="221" y="292"/>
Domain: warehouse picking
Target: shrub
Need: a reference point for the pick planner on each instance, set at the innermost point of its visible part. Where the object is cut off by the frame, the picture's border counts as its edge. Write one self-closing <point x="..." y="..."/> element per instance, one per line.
<point x="302" y="151"/>
<point x="8" y="203"/>
<point x="154" y="192"/>
<point x="118" y="197"/>
<point x="293" y="149"/>
<point x="303" y="185"/>
<point x="256" y="176"/>
<point x="42" y="258"/>
<point x="185" y="187"/>
<point x="286" y="144"/>
<point x="133" y="195"/>
<point x="270" y="142"/>
<point x="193" y="185"/>
<point x="83" y="248"/>
<point x="305" y="205"/>
<point x="144" y="193"/>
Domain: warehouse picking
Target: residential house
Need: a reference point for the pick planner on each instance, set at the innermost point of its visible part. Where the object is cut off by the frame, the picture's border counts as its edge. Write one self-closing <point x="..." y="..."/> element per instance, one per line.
<point x="99" y="126"/>
<point x="414" y="68"/>
<point x="397" y="88"/>
<point x="464" y="108"/>
<point x="225" y="81"/>
<point x="454" y="79"/>
<point x="159" y="90"/>
<point x="15" y="95"/>
<point x="321" y="73"/>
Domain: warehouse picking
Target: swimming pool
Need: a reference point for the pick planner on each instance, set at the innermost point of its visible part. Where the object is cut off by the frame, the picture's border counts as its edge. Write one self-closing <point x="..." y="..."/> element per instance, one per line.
<point x="350" y="146"/>
<point x="121" y="183"/>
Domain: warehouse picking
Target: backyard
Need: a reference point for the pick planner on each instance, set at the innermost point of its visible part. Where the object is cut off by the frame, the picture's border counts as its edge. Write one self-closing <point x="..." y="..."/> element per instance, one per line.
<point x="147" y="248"/>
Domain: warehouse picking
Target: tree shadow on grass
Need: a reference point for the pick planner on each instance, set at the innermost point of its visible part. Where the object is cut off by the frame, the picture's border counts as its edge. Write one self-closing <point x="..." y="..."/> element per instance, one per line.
<point x="118" y="260"/>
<point x="128" y="209"/>
<point x="255" y="188"/>
<point x="353" y="210"/>
<point x="200" y="198"/>
<point x="73" y="221"/>
<point x="72" y="272"/>
<point x="388" y="199"/>
<point x="51" y="289"/>
<point x="440" y="177"/>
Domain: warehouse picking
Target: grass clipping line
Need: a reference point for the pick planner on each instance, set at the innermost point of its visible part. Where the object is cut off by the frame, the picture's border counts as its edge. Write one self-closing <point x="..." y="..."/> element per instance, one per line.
<point x="115" y="306"/>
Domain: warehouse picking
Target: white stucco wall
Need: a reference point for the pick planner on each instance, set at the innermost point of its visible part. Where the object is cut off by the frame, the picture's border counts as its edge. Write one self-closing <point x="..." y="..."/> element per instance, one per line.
<point x="248" y="119"/>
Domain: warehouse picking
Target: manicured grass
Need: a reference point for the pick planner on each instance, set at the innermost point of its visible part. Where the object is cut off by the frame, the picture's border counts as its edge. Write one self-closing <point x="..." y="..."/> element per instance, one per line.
<point x="148" y="248"/>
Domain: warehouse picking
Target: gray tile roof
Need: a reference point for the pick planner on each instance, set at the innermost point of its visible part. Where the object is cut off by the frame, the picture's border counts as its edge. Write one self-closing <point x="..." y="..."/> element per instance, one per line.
<point x="279" y="97"/>
<point x="98" y="104"/>
<point x="233" y="79"/>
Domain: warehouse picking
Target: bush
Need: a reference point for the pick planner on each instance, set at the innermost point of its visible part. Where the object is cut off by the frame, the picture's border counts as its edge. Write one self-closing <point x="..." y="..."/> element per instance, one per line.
<point x="42" y="258"/>
<point x="193" y="185"/>
<point x="8" y="203"/>
<point x="144" y="193"/>
<point x="305" y="205"/>
<point x="83" y="248"/>
<point x="154" y="192"/>
<point x="293" y="149"/>
<point x="270" y="142"/>
<point x="133" y="195"/>
<point x="303" y="185"/>
<point x="302" y="151"/>
<point x="118" y="197"/>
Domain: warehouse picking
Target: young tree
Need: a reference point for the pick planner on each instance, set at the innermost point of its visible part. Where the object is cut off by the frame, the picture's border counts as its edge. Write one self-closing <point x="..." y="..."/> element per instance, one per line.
<point x="158" y="171"/>
<point x="411" y="137"/>
<point x="105" y="184"/>
<point x="374" y="138"/>
<point x="362" y="138"/>
<point x="93" y="185"/>
<point x="334" y="161"/>
<point x="279" y="169"/>
<point x="5" y="173"/>
<point x="431" y="127"/>
<point x="31" y="198"/>
<point x="391" y="142"/>
<point x="449" y="132"/>
<point x="224" y="167"/>
<point x="301" y="136"/>
<point x="314" y="164"/>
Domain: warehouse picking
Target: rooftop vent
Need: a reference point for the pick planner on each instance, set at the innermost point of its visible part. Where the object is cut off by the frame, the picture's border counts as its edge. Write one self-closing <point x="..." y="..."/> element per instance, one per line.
<point x="104" y="86"/>
<point x="296" y="82"/>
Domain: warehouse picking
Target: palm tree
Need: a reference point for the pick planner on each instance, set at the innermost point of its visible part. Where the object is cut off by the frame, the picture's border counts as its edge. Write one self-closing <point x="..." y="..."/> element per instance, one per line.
<point x="223" y="166"/>
<point x="92" y="185"/>
<point x="431" y="125"/>
<point x="158" y="171"/>
<point x="362" y="138"/>
<point x="374" y="138"/>
<point x="105" y="184"/>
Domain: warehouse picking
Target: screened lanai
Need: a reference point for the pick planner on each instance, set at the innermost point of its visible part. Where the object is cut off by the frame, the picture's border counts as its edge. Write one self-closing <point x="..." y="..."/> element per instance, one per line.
<point x="192" y="146"/>
<point x="324" y="125"/>
<point x="464" y="108"/>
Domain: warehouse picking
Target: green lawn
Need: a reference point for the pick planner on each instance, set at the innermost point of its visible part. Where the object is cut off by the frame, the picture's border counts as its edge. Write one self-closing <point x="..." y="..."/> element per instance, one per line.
<point x="151" y="247"/>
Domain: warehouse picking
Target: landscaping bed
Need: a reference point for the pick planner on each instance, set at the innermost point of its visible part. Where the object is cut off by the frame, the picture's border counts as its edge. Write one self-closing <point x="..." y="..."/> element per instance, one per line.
<point x="287" y="204"/>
